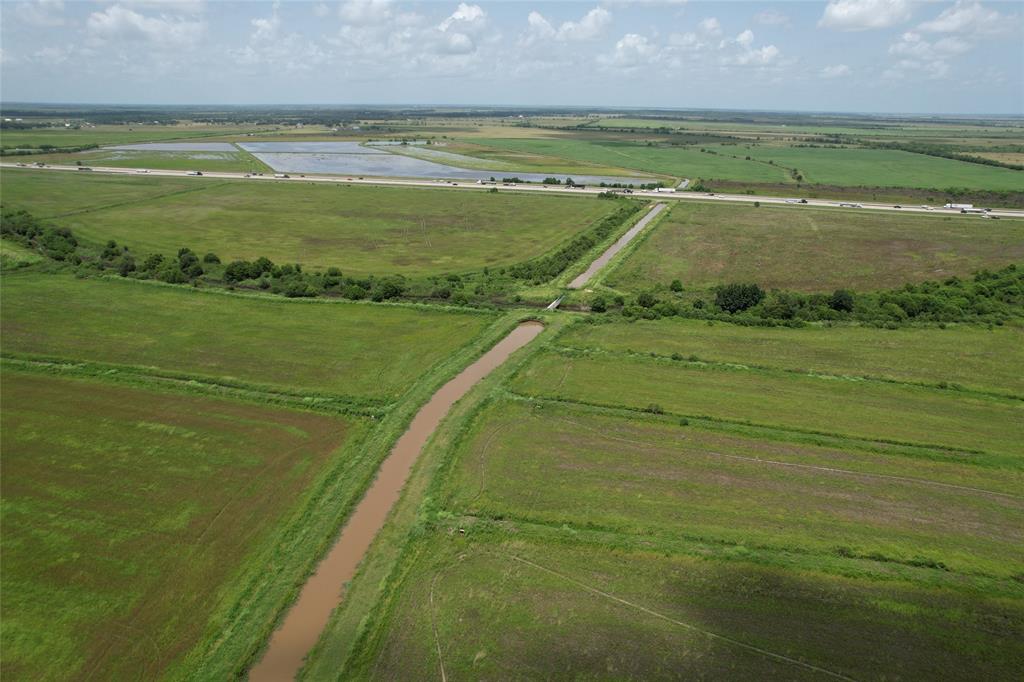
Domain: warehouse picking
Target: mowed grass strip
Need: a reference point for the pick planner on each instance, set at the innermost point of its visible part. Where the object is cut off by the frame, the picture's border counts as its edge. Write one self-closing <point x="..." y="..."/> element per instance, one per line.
<point x="814" y="250"/>
<point x="362" y="230"/>
<point x="365" y="351"/>
<point x="127" y="513"/>
<point x="972" y="357"/>
<point x="853" y="408"/>
<point x="514" y="607"/>
<point x="559" y="464"/>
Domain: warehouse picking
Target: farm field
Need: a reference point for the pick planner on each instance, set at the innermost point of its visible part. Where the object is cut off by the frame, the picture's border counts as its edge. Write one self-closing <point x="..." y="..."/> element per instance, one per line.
<point x="968" y="356"/>
<point x="362" y="230"/>
<point x="717" y="548"/>
<point x="348" y="349"/>
<point x="813" y="250"/>
<point x="133" y="519"/>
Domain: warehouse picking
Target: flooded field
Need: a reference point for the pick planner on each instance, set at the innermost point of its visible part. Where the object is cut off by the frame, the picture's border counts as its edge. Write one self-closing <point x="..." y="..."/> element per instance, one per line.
<point x="175" y="147"/>
<point x="355" y="158"/>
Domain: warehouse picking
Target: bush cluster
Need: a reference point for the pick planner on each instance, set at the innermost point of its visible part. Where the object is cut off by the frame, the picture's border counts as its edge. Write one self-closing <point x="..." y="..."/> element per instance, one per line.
<point x="549" y="267"/>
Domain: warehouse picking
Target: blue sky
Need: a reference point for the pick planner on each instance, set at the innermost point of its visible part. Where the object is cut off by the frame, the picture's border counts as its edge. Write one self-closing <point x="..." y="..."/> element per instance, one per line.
<point x="844" y="55"/>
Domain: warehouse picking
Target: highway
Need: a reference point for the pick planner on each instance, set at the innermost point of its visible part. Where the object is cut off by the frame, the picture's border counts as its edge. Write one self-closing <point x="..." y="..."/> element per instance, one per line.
<point x="848" y="204"/>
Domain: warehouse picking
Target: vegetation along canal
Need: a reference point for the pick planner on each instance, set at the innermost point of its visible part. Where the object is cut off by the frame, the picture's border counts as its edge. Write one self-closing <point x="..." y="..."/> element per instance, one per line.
<point x="323" y="591"/>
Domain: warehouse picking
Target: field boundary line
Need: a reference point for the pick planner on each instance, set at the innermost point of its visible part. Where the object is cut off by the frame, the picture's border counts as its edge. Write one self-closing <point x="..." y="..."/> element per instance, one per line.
<point x="143" y="200"/>
<point x="850" y="472"/>
<point x="726" y="366"/>
<point x="761" y="425"/>
<point x="688" y="626"/>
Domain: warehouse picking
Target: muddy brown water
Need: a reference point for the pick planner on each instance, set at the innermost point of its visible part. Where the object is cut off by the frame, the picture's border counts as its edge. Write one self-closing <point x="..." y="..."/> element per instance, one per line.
<point x="620" y="244"/>
<point x="325" y="589"/>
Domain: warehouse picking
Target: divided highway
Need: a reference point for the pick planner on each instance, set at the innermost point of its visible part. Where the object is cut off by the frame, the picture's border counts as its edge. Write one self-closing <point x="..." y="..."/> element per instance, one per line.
<point x="522" y="187"/>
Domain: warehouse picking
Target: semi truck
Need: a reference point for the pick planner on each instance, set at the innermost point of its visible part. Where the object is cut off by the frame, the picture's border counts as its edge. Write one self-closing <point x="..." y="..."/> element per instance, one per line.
<point x="959" y="206"/>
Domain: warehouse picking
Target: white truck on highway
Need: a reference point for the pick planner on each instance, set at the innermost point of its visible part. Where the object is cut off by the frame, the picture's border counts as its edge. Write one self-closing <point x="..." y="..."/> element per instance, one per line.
<point x="959" y="206"/>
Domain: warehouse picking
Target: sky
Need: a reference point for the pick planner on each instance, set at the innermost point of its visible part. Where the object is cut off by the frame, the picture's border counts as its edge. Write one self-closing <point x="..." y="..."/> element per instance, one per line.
<point x="892" y="56"/>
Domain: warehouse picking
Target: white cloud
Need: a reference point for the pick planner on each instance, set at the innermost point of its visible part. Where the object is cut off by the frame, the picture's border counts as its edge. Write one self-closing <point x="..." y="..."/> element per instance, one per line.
<point x="465" y="17"/>
<point x="321" y="10"/>
<point x="859" y="15"/>
<point x="364" y="12"/>
<point x="174" y="6"/>
<point x="632" y="51"/>
<point x="920" y="56"/>
<point x="740" y="51"/>
<point x="53" y="55"/>
<point x="46" y="13"/>
<point x="118" y="23"/>
<point x="591" y="25"/>
<point x="710" y="26"/>
<point x="771" y="17"/>
<point x="836" y="71"/>
<point x="969" y="18"/>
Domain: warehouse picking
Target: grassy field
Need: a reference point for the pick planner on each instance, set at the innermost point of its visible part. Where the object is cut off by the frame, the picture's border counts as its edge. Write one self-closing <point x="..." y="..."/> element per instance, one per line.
<point x="814" y="250"/>
<point x="972" y="357"/>
<point x="844" y="167"/>
<point x="363" y="351"/>
<point x="363" y="230"/>
<point x="609" y="514"/>
<point x="870" y="410"/>
<point x="128" y="514"/>
<point x="683" y="162"/>
<point x="112" y="134"/>
<point x="14" y="255"/>
<point x="240" y="162"/>
<point x="881" y="167"/>
<point x="48" y="194"/>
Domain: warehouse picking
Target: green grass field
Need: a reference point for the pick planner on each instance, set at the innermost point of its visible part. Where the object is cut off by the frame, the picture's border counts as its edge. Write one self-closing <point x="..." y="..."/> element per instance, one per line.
<point x="814" y="250"/>
<point x="350" y="349"/>
<point x="362" y="230"/>
<point x="760" y="512"/>
<point x="844" y="167"/>
<point x="13" y="255"/>
<point x="683" y="162"/>
<point x="48" y="194"/>
<point x="881" y="168"/>
<point x="968" y="356"/>
<point x="869" y="410"/>
<point x="128" y="514"/>
<point x="112" y="134"/>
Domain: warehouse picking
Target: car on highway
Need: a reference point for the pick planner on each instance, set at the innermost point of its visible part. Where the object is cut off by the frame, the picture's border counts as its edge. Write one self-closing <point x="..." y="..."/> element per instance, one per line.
<point x="897" y="206"/>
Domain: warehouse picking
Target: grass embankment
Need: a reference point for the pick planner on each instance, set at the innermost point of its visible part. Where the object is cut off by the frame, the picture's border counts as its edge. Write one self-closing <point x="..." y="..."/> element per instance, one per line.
<point x="660" y="543"/>
<point x="363" y="230"/>
<point x="813" y="250"/>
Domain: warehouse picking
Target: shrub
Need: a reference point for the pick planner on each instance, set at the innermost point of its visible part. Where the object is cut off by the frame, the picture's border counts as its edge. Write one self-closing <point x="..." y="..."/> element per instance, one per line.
<point x="734" y="298"/>
<point x="646" y="299"/>
<point x="211" y="258"/>
<point x="676" y="286"/>
<point x="598" y="305"/>
<point x="841" y="300"/>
